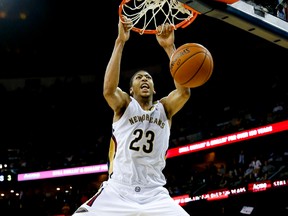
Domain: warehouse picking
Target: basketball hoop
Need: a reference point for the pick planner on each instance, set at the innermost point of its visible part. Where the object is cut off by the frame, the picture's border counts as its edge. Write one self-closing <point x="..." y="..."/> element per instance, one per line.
<point x="146" y="15"/>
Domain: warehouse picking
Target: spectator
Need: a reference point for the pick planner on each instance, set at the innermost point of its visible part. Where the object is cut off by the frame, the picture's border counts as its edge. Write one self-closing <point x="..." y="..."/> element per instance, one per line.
<point x="256" y="166"/>
<point x="267" y="170"/>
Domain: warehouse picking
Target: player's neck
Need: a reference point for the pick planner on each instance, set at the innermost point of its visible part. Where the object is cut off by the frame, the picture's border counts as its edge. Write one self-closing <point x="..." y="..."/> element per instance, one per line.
<point x="146" y="105"/>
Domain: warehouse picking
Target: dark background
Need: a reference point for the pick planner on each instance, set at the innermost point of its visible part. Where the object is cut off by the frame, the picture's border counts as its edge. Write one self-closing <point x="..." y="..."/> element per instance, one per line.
<point x="73" y="38"/>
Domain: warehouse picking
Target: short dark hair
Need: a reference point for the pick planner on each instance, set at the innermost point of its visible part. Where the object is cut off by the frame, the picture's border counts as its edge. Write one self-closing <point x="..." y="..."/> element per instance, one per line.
<point x="131" y="79"/>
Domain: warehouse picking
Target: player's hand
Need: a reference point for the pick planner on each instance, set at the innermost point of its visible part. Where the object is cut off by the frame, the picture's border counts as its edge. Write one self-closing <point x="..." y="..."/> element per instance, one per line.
<point x="124" y="27"/>
<point x="165" y="35"/>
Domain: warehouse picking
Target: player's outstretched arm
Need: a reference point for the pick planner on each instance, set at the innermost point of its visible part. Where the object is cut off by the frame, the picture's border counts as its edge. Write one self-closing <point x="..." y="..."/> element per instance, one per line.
<point x="178" y="97"/>
<point x="115" y="97"/>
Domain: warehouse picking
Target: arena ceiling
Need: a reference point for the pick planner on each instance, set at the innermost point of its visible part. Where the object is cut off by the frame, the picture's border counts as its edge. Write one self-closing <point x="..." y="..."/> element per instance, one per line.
<point x="52" y="38"/>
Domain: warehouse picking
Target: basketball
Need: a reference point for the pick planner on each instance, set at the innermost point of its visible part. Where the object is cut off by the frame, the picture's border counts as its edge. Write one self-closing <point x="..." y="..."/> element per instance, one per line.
<point x="191" y="65"/>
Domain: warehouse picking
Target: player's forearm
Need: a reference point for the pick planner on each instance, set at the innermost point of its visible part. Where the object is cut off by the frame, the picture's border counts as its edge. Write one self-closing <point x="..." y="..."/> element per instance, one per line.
<point x="169" y="50"/>
<point x="112" y="74"/>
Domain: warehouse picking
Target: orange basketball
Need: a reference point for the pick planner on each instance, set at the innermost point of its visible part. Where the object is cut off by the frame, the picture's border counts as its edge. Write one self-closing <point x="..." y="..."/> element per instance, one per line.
<point x="191" y="65"/>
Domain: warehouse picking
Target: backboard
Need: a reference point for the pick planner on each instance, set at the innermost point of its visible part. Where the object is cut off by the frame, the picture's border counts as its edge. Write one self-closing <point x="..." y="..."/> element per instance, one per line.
<point x="246" y="16"/>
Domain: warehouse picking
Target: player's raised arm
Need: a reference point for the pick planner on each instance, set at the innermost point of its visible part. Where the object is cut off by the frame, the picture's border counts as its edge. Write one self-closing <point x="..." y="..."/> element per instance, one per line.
<point x="178" y="97"/>
<point x="115" y="97"/>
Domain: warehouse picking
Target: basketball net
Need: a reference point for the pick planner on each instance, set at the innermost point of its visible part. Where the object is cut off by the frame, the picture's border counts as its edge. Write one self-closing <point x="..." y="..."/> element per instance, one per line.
<point x="147" y="15"/>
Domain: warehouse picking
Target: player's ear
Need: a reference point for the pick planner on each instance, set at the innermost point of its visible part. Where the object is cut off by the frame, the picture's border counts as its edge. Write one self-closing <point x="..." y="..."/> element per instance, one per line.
<point x="154" y="92"/>
<point x="131" y="91"/>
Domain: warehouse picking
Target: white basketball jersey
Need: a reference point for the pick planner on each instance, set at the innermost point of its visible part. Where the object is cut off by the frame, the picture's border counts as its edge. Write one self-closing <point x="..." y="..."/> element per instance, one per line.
<point x="141" y="140"/>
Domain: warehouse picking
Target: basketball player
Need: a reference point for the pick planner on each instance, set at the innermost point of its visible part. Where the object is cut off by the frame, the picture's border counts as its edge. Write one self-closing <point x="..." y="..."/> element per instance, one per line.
<point x="141" y="130"/>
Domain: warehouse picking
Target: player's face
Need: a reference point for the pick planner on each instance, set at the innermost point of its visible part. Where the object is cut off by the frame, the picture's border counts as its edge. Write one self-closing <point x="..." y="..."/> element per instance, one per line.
<point x="142" y="84"/>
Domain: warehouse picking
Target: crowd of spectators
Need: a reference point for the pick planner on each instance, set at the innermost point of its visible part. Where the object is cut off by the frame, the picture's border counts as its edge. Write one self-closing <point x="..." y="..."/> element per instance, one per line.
<point x="230" y="172"/>
<point x="278" y="8"/>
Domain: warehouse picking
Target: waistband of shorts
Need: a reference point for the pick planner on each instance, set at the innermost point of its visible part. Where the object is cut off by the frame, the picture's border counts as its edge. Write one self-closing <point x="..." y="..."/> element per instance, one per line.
<point x="132" y="187"/>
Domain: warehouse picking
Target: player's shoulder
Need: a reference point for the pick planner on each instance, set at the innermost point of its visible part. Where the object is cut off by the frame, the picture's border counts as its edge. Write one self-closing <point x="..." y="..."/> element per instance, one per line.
<point x="163" y="100"/>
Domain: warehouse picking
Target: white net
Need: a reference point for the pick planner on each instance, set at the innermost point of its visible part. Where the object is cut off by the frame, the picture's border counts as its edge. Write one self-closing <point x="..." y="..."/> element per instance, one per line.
<point x="146" y="15"/>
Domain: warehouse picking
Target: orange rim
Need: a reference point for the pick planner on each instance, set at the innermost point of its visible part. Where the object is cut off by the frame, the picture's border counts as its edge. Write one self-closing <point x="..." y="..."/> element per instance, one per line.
<point x="182" y="24"/>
